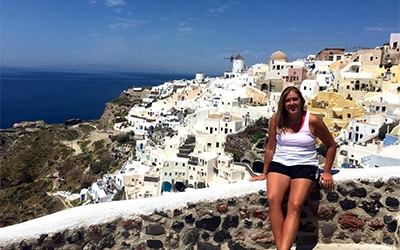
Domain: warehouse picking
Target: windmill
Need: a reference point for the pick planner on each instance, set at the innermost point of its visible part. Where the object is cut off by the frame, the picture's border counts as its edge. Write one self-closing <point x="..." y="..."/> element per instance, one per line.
<point x="230" y="58"/>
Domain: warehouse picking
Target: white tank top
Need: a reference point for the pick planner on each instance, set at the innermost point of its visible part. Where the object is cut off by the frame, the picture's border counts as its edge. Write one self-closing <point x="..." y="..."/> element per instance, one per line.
<point x="297" y="148"/>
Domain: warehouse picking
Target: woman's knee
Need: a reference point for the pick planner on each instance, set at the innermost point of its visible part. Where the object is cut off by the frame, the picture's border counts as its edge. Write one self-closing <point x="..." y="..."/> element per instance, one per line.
<point x="274" y="198"/>
<point x="294" y="207"/>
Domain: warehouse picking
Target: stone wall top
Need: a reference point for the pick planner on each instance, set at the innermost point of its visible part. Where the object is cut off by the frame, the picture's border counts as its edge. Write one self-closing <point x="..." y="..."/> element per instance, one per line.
<point x="84" y="216"/>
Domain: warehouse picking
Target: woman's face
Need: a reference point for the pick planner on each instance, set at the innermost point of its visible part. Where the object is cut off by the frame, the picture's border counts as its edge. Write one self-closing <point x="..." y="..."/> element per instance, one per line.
<point x="293" y="103"/>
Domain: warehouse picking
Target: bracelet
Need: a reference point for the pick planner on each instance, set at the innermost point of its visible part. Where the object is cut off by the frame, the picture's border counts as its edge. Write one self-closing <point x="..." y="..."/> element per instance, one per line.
<point x="265" y="174"/>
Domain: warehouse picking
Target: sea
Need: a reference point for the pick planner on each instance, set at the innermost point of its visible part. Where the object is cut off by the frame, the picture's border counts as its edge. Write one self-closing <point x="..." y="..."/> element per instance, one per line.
<point x="55" y="96"/>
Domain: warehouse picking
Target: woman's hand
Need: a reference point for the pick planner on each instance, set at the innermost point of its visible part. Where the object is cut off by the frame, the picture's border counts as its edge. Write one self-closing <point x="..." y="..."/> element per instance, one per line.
<point x="327" y="179"/>
<point x="259" y="177"/>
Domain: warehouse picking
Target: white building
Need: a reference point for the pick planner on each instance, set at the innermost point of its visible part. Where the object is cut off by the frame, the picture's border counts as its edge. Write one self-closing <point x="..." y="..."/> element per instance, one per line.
<point x="222" y="124"/>
<point x="378" y="102"/>
<point x="363" y="127"/>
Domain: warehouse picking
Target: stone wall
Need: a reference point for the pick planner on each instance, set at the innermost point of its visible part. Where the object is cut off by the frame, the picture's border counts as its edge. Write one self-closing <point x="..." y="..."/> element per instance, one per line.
<point x="356" y="211"/>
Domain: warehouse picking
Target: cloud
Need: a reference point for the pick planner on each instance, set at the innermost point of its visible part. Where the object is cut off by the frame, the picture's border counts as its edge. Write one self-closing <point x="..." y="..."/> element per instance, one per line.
<point x="115" y="2"/>
<point x="124" y="23"/>
<point x="377" y="29"/>
<point x="185" y="29"/>
<point x="220" y="9"/>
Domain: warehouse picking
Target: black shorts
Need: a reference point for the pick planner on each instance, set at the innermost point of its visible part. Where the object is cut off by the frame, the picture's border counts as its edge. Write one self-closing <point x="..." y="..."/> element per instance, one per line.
<point x="297" y="171"/>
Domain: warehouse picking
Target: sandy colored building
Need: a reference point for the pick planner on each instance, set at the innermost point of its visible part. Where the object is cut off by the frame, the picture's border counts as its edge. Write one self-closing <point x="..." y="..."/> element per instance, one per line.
<point x="336" y="110"/>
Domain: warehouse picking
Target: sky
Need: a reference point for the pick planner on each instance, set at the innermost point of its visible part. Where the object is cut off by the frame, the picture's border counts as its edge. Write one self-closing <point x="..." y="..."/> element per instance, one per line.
<point x="184" y="36"/>
<point x="84" y="216"/>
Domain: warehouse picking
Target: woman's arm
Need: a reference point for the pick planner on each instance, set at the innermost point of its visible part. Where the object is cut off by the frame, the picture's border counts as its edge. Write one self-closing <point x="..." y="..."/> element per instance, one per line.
<point x="269" y="149"/>
<point x="320" y="130"/>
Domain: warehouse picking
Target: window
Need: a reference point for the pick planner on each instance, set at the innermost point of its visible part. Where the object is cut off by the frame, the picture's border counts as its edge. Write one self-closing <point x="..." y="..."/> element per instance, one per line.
<point x="330" y="56"/>
<point x="372" y="131"/>
<point x="217" y="144"/>
<point x="357" y="128"/>
<point x="384" y="109"/>
<point x="371" y="58"/>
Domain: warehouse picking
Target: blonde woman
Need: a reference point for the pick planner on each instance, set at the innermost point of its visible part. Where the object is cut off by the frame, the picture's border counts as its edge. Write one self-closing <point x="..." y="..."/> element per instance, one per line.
<point x="291" y="164"/>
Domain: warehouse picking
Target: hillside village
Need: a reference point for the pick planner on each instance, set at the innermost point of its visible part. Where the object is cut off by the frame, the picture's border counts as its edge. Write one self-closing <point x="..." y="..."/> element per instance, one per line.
<point x="356" y="93"/>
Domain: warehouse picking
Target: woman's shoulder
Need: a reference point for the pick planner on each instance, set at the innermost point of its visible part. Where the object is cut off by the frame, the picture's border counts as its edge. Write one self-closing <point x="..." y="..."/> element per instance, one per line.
<point x="315" y="119"/>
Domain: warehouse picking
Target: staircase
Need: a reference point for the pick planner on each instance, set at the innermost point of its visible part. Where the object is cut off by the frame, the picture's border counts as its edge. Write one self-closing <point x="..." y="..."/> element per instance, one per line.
<point x="187" y="147"/>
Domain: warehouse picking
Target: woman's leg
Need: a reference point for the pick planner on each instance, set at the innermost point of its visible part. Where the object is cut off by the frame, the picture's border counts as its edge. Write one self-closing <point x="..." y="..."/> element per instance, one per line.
<point x="299" y="191"/>
<point x="277" y="186"/>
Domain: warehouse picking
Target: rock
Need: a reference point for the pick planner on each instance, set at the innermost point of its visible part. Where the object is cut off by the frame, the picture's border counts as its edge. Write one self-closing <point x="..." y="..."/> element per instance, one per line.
<point x="263" y="237"/>
<point x="358" y="192"/>
<point x="332" y="197"/>
<point x="328" y="229"/>
<point x="177" y="225"/>
<point x="210" y="224"/>
<point x="132" y="223"/>
<point x="154" y="229"/>
<point x="326" y="212"/>
<point x="375" y="224"/>
<point x="33" y="125"/>
<point x="230" y="222"/>
<point x="347" y="204"/>
<point x="221" y="236"/>
<point x="351" y="222"/>
<point x="157" y="244"/>
<point x="191" y="236"/>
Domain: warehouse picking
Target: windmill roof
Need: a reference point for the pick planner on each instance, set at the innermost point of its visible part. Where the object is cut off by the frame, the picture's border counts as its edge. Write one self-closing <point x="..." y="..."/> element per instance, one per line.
<point x="239" y="57"/>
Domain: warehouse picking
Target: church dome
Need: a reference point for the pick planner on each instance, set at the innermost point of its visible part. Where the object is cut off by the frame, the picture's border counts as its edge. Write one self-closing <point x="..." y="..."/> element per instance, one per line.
<point x="278" y="56"/>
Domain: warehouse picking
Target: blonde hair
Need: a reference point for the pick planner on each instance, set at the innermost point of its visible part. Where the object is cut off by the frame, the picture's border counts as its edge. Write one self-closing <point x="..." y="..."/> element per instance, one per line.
<point x="281" y="114"/>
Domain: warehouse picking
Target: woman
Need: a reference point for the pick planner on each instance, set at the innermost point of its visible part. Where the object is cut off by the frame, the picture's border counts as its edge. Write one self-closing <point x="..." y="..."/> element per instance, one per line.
<point x="290" y="163"/>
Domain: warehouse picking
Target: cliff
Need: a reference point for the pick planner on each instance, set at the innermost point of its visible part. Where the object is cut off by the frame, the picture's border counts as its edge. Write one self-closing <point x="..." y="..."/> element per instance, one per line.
<point x="117" y="109"/>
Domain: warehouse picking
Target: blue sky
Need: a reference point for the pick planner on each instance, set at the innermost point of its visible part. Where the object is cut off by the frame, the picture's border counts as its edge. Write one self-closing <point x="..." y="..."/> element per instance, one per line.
<point x="184" y="36"/>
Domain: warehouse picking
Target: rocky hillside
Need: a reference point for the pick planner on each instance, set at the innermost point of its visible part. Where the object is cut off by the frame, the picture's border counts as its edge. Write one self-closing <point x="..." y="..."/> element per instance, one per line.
<point x="117" y="109"/>
<point x="39" y="159"/>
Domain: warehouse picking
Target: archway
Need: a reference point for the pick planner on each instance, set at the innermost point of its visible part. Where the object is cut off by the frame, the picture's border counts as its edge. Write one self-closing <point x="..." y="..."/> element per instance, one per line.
<point x="166" y="187"/>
